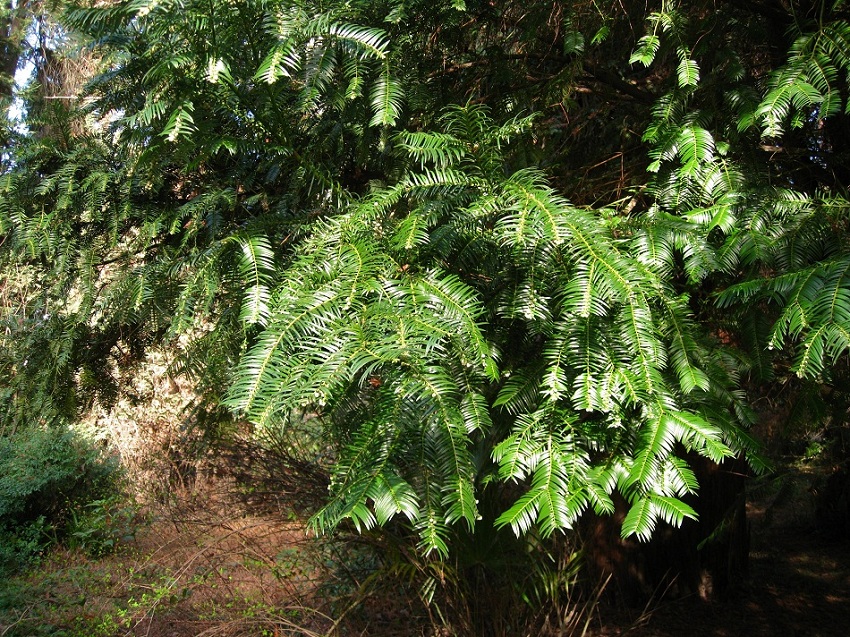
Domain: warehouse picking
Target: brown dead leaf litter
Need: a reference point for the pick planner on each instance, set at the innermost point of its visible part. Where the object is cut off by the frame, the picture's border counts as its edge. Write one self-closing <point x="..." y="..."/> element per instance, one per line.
<point x="233" y="572"/>
<point x="209" y="564"/>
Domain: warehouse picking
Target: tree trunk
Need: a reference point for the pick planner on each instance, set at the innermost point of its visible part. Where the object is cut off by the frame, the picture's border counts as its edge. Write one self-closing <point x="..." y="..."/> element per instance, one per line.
<point x="706" y="557"/>
<point x="12" y="30"/>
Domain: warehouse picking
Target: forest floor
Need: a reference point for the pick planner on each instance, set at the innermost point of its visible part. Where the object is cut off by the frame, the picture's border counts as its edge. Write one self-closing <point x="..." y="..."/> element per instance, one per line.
<point x="208" y="565"/>
<point x="210" y="557"/>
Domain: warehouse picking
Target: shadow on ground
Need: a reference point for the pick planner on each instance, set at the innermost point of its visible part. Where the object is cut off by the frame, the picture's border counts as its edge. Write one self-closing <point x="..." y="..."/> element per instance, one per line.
<point x="799" y="582"/>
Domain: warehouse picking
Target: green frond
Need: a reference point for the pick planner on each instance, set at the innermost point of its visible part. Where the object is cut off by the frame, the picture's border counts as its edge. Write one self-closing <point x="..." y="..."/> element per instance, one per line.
<point x="180" y="123"/>
<point x="507" y="132"/>
<point x="441" y="149"/>
<point x="475" y="413"/>
<point x="556" y="496"/>
<point x="817" y="309"/>
<point x="672" y="510"/>
<point x="387" y="99"/>
<point x="259" y="371"/>
<point x="433" y="534"/>
<point x="695" y="145"/>
<point x="682" y="347"/>
<point x="412" y="232"/>
<point x="519" y="393"/>
<point x="698" y="434"/>
<point x="656" y="440"/>
<point x="687" y="73"/>
<point x="646" y="511"/>
<point x="640" y="519"/>
<point x="646" y="50"/>
<point x="319" y="66"/>
<point x="654" y="246"/>
<point x="449" y="296"/>
<point x="678" y="478"/>
<point x="598" y="492"/>
<point x="588" y="292"/>
<point x="371" y="42"/>
<point x="519" y="454"/>
<point x="256" y="267"/>
<point x="280" y="62"/>
<point x="393" y="495"/>
<point x="639" y="334"/>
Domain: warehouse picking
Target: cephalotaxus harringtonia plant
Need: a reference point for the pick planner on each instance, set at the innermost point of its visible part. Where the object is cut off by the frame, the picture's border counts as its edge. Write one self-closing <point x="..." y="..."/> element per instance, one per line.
<point x="276" y="177"/>
<point x="752" y="192"/>
<point x="466" y="324"/>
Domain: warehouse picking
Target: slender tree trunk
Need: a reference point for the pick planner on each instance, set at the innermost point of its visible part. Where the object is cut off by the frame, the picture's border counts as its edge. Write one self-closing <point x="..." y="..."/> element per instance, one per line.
<point x="13" y="25"/>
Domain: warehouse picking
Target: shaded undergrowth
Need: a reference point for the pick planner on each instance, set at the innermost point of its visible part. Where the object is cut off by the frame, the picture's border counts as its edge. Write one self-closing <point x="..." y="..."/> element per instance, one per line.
<point x="225" y="550"/>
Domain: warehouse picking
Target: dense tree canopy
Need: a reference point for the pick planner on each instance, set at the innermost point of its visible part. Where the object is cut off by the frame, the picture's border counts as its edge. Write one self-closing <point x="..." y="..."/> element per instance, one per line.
<point x="499" y="260"/>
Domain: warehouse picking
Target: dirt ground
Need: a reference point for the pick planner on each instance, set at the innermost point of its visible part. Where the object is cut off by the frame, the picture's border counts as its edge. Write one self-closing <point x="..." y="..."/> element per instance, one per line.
<point x="227" y="560"/>
<point x="216" y="568"/>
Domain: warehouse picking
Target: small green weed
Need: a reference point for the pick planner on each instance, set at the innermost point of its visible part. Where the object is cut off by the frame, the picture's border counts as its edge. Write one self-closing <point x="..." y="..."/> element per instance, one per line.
<point x="100" y="526"/>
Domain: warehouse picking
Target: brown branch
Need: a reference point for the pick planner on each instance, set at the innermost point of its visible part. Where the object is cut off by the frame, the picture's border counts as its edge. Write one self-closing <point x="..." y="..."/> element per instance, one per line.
<point x="619" y="84"/>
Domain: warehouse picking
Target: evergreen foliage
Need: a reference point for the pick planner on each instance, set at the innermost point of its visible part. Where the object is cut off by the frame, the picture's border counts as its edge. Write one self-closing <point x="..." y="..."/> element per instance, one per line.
<point x="370" y="214"/>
